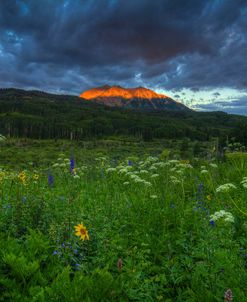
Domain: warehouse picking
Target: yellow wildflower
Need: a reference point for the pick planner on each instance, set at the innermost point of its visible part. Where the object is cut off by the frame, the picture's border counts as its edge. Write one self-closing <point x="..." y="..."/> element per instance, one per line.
<point x="81" y="231"/>
<point x="73" y="171"/>
<point x="22" y="177"/>
<point x="35" y="177"/>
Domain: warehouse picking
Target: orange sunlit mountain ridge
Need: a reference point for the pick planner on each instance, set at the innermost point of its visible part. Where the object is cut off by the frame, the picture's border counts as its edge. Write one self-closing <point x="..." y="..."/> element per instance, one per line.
<point x="132" y="98"/>
<point x="118" y="91"/>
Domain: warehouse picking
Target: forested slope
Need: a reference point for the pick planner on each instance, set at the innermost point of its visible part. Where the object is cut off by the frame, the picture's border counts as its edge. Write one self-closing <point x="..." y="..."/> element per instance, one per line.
<point x="36" y="114"/>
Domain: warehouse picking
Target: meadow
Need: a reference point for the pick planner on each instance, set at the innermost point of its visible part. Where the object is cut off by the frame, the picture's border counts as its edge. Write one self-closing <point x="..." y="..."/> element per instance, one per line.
<point x="116" y="226"/>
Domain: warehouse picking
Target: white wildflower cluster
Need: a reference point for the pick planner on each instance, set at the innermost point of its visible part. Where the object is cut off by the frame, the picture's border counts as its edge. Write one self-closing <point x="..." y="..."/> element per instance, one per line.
<point x="62" y="162"/>
<point x="63" y="165"/>
<point x="149" y="170"/>
<point x="180" y="172"/>
<point x="157" y="165"/>
<point x="123" y="169"/>
<point x="153" y="168"/>
<point x="144" y="172"/>
<point x="225" y="188"/>
<point x="130" y="175"/>
<point x="222" y="215"/>
<point x="152" y="159"/>
<point x="153" y="165"/>
<point x="204" y="169"/>
<point x="213" y="165"/>
<point x="244" y="182"/>
<point x="139" y="180"/>
<point x="150" y="162"/>
<point x="173" y="161"/>
<point x="184" y="166"/>
<point x="175" y="180"/>
<point x="78" y="172"/>
<point x="179" y="167"/>
<point x="101" y="160"/>
<point x="173" y="165"/>
<point x="111" y="170"/>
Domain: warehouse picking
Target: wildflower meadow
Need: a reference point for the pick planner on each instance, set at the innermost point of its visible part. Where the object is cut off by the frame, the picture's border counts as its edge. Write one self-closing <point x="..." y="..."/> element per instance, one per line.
<point x="148" y="228"/>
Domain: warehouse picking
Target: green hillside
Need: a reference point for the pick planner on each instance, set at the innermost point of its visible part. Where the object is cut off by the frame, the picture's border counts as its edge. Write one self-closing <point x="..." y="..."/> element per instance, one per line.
<point x="39" y="115"/>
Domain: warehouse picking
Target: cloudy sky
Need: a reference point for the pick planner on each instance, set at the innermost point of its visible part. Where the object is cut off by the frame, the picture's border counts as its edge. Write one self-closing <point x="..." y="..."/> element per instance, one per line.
<point x="194" y="50"/>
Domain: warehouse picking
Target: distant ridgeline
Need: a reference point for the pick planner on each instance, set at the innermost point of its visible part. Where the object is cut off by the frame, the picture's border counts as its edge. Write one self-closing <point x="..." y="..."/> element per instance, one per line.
<point x="132" y="98"/>
<point x="40" y="115"/>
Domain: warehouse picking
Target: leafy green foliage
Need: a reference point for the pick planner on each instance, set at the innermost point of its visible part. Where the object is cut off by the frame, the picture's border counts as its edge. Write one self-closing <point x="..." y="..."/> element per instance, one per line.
<point x="150" y="214"/>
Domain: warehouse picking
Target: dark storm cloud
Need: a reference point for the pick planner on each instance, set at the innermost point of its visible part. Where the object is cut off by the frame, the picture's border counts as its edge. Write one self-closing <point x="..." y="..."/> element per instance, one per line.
<point x="72" y="45"/>
<point x="238" y="106"/>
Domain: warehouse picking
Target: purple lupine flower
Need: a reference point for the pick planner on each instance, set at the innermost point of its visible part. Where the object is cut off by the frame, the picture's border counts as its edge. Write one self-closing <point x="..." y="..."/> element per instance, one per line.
<point x="72" y="165"/>
<point x="212" y="223"/>
<point x="200" y="192"/>
<point x="55" y="252"/>
<point x="50" y="180"/>
<point x="130" y="162"/>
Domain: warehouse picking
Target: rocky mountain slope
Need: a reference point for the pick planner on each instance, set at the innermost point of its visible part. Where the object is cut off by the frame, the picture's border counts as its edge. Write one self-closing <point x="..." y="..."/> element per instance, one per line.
<point x="132" y="98"/>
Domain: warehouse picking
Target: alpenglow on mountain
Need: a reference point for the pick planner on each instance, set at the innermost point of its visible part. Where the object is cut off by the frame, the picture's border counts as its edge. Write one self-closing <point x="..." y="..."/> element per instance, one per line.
<point x="132" y="98"/>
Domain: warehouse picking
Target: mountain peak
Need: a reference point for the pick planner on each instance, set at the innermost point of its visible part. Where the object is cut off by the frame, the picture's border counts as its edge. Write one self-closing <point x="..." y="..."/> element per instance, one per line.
<point x="132" y="98"/>
<point x="118" y="91"/>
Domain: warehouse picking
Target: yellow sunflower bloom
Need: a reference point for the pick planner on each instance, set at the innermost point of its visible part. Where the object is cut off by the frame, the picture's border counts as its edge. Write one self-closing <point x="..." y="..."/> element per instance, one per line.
<point x="22" y="177"/>
<point x="81" y="231"/>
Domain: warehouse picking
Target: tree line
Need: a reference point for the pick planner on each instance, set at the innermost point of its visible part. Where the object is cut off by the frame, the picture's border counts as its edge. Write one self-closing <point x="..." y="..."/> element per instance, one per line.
<point x="44" y="116"/>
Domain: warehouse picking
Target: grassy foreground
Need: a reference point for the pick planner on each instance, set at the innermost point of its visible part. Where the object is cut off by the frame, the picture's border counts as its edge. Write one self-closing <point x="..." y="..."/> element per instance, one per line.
<point x="133" y="230"/>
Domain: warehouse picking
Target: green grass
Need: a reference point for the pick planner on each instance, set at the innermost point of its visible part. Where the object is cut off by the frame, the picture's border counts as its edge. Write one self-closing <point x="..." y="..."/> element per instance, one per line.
<point x="157" y="222"/>
<point x="21" y="153"/>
